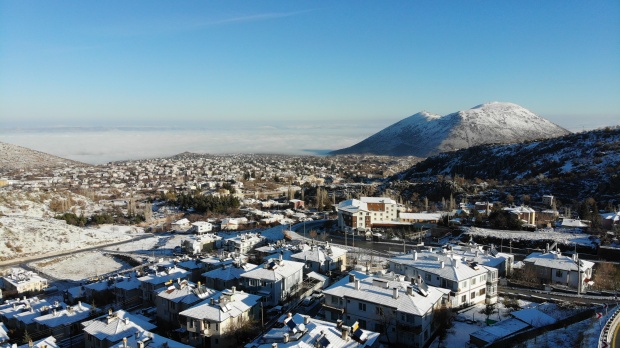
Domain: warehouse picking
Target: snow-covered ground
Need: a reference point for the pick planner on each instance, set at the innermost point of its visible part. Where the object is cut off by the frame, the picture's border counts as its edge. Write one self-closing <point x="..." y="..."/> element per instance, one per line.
<point x="566" y="238"/>
<point x="27" y="228"/>
<point x="72" y="267"/>
<point x="581" y="334"/>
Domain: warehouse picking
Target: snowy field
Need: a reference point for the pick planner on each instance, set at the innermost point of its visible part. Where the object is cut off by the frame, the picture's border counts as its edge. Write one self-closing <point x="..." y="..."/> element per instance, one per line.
<point x="27" y="228"/>
<point x="566" y="238"/>
<point x="79" y="266"/>
<point x="581" y="334"/>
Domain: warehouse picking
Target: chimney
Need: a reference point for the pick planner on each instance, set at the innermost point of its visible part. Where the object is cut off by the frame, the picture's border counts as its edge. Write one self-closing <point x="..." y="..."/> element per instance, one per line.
<point x="454" y="262"/>
<point x="137" y="334"/>
<point x="307" y="320"/>
<point x="198" y="284"/>
<point x="415" y="255"/>
<point x="124" y="342"/>
<point x="274" y="345"/>
<point x="351" y="278"/>
<point x="212" y="301"/>
<point x="344" y="333"/>
<point x="110" y="312"/>
<point x="30" y="343"/>
<point x="234" y="289"/>
<point x="443" y="264"/>
<point x="286" y="337"/>
<point x="357" y="284"/>
<point x="280" y="257"/>
<point x="339" y="323"/>
<point x="409" y="290"/>
<point x="395" y="293"/>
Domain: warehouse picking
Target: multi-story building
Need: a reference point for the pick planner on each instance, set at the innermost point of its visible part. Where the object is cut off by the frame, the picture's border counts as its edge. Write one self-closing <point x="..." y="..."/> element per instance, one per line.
<point x="401" y="311"/>
<point x="219" y="315"/>
<point x="303" y="331"/>
<point x="275" y="280"/>
<point x="19" y="281"/>
<point x="175" y="298"/>
<point x="360" y="215"/>
<point x="108" y="330"/>
<point x="322" y="258"/>
<point x="227" y="276"/>
<point x="468" y="281"/>
<point x="152" y="282"/>
<point x="554" y="268"/>
<point x="64" y="323"/>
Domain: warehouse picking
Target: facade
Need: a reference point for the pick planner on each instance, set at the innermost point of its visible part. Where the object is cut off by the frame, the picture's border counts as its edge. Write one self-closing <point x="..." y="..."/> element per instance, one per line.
<point x="243" y="243"/>
<point x="554" y="268"/>
<point x="469" y="282"/>
<point x="275" y="280"/>
<point x="200" y="227"/>
<point x="172" y="300"/>
<point x="227" y="276"/>
<point x="64" y="323"/>
<point x="359" y="215"/>
<point x="527" y="214"/>
<point x="400" y="311"/>
<point x="215" y="317"/>
<point x="322" y="258"/>
<point x="152" y="282"/>
<point x="20" y="281"/>
<point x="201" y="243"/>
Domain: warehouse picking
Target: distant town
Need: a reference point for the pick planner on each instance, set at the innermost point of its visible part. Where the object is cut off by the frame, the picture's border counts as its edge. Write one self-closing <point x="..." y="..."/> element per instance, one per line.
<point x="296" y="251"/>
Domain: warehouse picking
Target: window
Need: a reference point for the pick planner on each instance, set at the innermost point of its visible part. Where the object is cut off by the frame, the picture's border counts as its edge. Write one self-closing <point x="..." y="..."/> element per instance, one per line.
<point x="362" y="306"/>
<point x="427" y="276"/>
<point x="473" y="294"/>
<point x="463" y="298"/>
<point x="473" y="281"/>
<point x="558" y="273"/>
<point x="379" y="310"/>
<point x="482" y="292"/>
<point x="334" y="300"/>
<point x="362" y="323"/>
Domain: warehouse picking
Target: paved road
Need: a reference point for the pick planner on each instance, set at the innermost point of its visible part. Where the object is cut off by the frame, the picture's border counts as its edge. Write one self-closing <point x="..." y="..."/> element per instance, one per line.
<point x="586" y="299"/>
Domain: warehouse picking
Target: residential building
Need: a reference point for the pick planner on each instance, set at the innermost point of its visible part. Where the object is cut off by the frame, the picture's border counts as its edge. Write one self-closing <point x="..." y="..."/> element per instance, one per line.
<point x="400" y="311"/>
<point x="64" y="323"/>
<point x="201" y="243"/>
<point x="554" y="268"/>
<point x="468" y="281"/>
<point x="175" y="298"/>
<point x="156" y="280"/>
<point x="303" y="331"/>
<point x="323" y="258"/>
<point x="243" y="243"/>
<point x="47" y="342"/>
<point x="201" y="227"/>
<point x="274" y="281"/>
<point x="210" y="320"/>
<point x="227" y="276"/>
<point x="490" y="257"/>
<point x="110" y="329"/>
<point x="526" y="214"/>
<point x="20" y="281"/>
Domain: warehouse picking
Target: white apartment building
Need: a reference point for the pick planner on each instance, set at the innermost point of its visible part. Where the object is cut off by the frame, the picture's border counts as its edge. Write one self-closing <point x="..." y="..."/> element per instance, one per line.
<point x="554" y="268"/>
<point x="360" y="215"/>
<point x="323" y="258"/>
<point x="210" y="319"/>
<point x="401" y="311"/>
<point x="274" y="281"/>
<point x="469" y="282"/>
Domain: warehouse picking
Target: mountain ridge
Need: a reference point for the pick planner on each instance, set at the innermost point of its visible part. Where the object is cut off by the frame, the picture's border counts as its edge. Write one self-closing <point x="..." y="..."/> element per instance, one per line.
<point x="15" y="157"/>
<point x="489" y="123"/>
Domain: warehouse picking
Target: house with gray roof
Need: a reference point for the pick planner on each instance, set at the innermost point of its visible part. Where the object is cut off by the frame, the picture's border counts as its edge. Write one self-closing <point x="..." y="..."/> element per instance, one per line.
<point x="302" y="331"/>
<point x="227" y="276"/>
<point x="468" y="281"/>
<point x="209" y="320"/>
<point x="65" y="322"/>
<point x="554" y="268"/>
<point x="275" y="280"/>
<point x="400" y="311"/>
<point x="322" y="259"/>
<point x="179" y="296"/>
<point x="151" y="282"/>
<point x="110" y="329"/>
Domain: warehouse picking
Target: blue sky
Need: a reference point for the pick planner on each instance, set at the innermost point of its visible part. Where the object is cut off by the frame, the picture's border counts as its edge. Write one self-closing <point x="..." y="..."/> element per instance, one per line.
<point x="198" y="64"/>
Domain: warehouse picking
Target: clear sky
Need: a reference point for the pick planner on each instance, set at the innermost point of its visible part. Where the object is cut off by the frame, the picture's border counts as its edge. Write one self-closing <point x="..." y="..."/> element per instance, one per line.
<point x="197" y="63"/>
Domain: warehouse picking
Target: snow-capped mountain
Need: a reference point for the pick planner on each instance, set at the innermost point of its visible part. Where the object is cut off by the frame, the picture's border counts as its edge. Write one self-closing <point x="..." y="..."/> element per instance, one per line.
<point x="425" y="134"/>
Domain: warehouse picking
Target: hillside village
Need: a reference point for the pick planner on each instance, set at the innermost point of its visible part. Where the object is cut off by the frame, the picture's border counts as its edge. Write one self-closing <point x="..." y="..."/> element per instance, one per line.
<point x="268" y="250"/>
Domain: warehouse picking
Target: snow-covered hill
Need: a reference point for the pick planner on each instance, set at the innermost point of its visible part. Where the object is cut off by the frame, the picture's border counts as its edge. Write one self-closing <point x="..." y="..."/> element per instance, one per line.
<point x="425" y="134"/>
<point x="16" y="157"/>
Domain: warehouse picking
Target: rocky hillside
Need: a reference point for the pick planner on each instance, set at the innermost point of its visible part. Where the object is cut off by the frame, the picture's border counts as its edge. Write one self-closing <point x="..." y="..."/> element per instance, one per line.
<point x="425" y="134"/>
<point x="574" y="166"/>
<point x="13" y="157"/>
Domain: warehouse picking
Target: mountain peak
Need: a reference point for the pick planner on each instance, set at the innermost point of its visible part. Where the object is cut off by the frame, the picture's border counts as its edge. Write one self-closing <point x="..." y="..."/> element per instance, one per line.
<point x="424" y="134"/>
